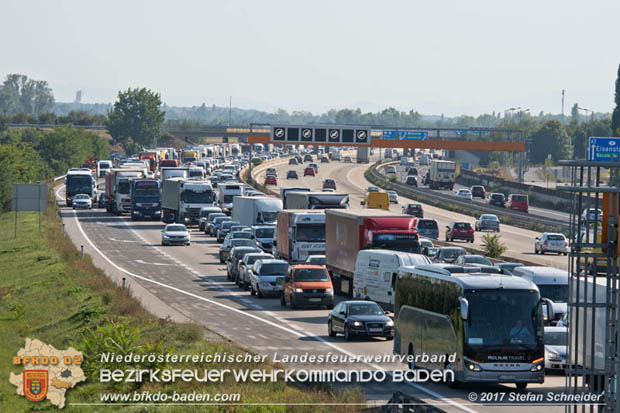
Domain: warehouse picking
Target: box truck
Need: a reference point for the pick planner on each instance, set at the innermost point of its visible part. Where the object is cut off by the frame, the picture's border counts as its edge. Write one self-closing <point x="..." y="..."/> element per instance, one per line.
<point x="118" y="188"/>
<point x="182" y="199"/>
<point x="299" y="233"/>
<point x="249" y="211"/>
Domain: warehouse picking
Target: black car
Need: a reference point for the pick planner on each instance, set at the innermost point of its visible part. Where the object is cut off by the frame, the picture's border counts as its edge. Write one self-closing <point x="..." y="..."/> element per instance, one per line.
<point x="292" y="175"/>
<point x="224" y="230"/>
<point x="359" y="318"/>
<point x="224" y="253"/>
<point x="208" y="226"/>
<point x="292" y="161"/>
<point x="236" y="255"/>
<point x="324" y="159"/>
<point x="412" y="180"/>
<point x="102" y="202"/>
<point x="413" y="171"/>
<point x="308" y="158"/>
<point x="497" y="199"/>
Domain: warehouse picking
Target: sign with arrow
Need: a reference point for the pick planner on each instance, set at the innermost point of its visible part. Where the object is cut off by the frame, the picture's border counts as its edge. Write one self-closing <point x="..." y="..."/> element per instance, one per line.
<point x="604" y="149"/>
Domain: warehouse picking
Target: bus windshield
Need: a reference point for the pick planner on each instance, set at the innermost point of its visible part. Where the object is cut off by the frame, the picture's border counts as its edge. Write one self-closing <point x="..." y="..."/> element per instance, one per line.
<point x="311" y="233"/>
<point x="79" y="184"/>
<point x="509" y="317"/>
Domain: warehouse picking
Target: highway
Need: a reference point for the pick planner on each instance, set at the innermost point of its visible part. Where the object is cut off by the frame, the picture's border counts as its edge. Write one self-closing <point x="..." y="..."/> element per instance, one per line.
<point x="190" y="281"/>
<point x="350" y="179"/>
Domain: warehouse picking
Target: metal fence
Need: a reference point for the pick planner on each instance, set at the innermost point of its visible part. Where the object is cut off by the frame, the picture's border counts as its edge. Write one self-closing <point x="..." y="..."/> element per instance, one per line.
<point x="593" y="362"/>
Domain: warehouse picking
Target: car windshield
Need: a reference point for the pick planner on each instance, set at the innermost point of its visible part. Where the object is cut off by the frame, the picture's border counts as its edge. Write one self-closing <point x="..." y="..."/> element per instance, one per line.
<point x="311" y="274"/>
<point x="81" y="196"/>
<point x="228" y="224"/>
<point x="241" y="242"/>
<point x="451" y="253"/>
<point x="477" y="259"/>
<point x="239" y="253"/>
<point x="556" y="338"/>
<point x="462" y="225"/>
<point x="555" y="292"/>
<point x="427" y="224"/>
<point x="497" y="196"/>
<point x="413" y="208"/>
<point x="176" y="228"/>
<point x="364" y="309"/>
<point x="251" y="259"/>
<point x="265" y="232"/>
<point x="553" y="237"/>
<point x="274" y="269"/>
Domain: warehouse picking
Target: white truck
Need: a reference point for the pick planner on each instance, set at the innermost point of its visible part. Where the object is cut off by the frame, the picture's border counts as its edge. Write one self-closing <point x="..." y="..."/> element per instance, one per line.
<point x="259" y="210"/>
<point x="168" y="173"/>
<point x="335" y="155"/>
<point x="362" y="154"/>
<point x="225" y="194"/>
<point x="118" y="188"/>
<point x="182" y="199"/>
<point x="442" y="174"/>
<point x="299" y="233"/>
<point x="316" y="200"/>
<point x="103" y="167"/>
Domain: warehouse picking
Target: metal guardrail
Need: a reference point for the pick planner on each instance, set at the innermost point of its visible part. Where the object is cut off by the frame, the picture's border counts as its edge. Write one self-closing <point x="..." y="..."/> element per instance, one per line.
<point x="515" y="218"/>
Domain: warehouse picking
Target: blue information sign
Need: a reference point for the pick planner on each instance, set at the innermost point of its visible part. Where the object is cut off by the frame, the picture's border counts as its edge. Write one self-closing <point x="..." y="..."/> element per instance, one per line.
<point x="603" y="149"/>
<point x="405" y="135"/>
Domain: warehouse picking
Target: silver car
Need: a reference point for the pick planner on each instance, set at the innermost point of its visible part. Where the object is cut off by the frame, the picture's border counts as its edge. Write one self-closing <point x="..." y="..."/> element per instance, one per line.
<point x="82" y="201"/>
<point x="551" y="242"/>
<point x="487" y="222"/>
<point x="264" y="277"/>
<point x="175" y="234"/>
<point x="393" y="197"/>
<point x="556" y="344"/>
<point x="245" y="265"/>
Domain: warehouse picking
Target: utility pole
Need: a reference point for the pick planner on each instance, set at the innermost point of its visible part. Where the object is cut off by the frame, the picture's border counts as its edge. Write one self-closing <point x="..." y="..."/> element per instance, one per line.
<point x="563" y="91"/>
<point x="229" y="110"/>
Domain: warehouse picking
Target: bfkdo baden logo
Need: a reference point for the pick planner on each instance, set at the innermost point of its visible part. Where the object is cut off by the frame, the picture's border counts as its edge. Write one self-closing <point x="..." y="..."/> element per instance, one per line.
<point x="48" y="373"/>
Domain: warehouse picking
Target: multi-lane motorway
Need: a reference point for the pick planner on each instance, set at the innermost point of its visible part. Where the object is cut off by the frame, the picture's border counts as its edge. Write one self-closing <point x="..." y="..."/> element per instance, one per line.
<point x="188" y="282"/>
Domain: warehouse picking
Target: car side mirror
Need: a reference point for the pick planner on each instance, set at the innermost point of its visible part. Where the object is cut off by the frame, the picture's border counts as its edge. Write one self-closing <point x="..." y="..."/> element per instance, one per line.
<point x="548" y="309"/>
<point x="464" y="308"/>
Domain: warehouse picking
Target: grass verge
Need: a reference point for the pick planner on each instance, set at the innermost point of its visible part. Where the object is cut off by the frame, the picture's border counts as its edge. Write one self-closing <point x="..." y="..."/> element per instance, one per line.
<point x="48" y="292"/>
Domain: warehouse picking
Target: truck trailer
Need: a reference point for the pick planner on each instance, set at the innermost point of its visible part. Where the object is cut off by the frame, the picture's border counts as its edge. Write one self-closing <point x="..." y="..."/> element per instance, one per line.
<point x="348" y="232"/>
<point x="442" y="174"/>
<point x="258" y="210"/>
<point x="118" y="188"/>
<point x="316" y="200"/>
<point x="299" y="233"/>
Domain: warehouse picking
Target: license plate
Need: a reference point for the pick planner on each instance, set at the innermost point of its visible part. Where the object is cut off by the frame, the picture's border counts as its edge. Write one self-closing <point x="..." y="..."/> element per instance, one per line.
<point x="375" y="330"/>
<point x="506" y="377"/>
<point x="314" y="300"/>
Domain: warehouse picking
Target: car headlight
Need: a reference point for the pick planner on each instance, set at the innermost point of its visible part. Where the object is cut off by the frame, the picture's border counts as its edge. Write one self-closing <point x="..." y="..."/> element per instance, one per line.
<point x="553" y="355"/>
<point x="390" y="323"/>
<point x="329" y="291"/>
<point x="299" y="290"/>
<point x="357" y="324"/>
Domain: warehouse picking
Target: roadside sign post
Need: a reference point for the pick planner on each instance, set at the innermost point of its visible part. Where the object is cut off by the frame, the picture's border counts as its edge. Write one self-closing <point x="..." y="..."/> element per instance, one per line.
<point x="29" y="197"/>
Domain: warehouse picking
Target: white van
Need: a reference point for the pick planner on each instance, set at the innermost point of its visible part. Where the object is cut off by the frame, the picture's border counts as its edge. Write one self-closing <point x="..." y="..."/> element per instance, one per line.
<point x="375" y="274"/>
<point x="552" y="284"/>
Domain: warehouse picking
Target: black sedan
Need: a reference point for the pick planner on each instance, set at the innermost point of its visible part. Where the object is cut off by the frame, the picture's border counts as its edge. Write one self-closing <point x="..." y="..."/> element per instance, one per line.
<point x="292" y="175"/>
<point x="359" y="318"/>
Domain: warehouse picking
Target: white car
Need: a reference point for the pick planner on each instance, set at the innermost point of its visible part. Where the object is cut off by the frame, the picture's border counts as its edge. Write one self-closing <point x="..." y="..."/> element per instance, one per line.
<point x="390" y="170"/>
<point x="551" y="242"/>
<point x="175" y="234"/>
<point x="82" y="201"/>
<point x="316" y="259"/>
<point x="393" y="197"/>
<point x="464" y="194"/>
<point x="592" y="215"/>
<point x="556" y="346"/>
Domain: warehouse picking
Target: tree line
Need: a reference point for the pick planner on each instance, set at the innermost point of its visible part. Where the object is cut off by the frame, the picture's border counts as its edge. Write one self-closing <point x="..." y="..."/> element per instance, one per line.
<point x="30" y="155"/>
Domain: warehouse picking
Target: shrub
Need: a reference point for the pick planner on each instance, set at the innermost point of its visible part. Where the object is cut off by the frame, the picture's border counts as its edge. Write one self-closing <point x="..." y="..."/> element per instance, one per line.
<point x="492" y="246"/>
<point x="256" y="161"/>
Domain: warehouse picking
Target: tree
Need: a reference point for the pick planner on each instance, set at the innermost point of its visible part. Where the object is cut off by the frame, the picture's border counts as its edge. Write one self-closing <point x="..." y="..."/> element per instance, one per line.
<point x="615" y="116"/>
<point x="136" y="117"/>
<point x="20" y="94"/>
<point x="550" y="138"/>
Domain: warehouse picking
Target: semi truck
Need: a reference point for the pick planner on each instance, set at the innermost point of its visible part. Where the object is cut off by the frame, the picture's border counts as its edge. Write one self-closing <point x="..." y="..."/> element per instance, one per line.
<point x="182" y="199"/>
<point x="118" y="188"/>
<point x="249" y="211"/>
<point x="362" y="154"/>
<point x="235" y="150"/>
<point x="168" y="173"/>
<point x="225" y="194"/>
<point x="316" y="200"/>
<point x="145" y="199"/>
<point x="152" y="158"/>
<point x="79" y="182"/>
<point x="442" y="174"/>
<point x="285" y="191"/>
<point x="348" y="232"/>
<point x="299" y="233"/>
<point x="103" y="166"/>
<point x="189" y="156"/>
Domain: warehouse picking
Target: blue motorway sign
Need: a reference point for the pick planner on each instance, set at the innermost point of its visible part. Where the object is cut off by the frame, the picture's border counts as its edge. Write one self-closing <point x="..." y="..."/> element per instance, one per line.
<point x="406" y="135"/>
<point x="603" y="149"/>
<point x="472" y="132"/>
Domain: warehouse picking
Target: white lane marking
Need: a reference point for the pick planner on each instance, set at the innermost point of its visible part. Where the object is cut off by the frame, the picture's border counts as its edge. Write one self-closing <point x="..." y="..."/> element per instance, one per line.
<point x="122" y="240"/>
<point x="255" y="317"/>
<point x="151" y="263"/>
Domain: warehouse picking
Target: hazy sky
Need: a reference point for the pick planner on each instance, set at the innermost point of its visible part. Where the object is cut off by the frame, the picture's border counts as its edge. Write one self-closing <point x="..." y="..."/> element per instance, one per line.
<point x="452" y="57"/>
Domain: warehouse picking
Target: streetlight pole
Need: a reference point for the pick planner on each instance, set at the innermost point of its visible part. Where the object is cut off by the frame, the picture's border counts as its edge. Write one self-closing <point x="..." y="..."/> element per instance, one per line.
<point x="585" y="137"/>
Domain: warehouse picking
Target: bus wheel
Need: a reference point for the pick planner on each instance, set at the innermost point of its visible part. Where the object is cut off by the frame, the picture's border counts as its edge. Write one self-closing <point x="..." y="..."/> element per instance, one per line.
<point x="454" y="383"/>
<point x="521" y="386"/>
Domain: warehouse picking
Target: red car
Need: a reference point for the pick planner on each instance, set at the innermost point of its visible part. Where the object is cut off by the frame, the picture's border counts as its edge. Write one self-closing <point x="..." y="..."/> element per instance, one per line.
<point x="309" y="171"/>
<point x="518" y="202"/>
<point x="271" y="180"/>
<point x="459" y="230"/>
<point x="478" y="191"/>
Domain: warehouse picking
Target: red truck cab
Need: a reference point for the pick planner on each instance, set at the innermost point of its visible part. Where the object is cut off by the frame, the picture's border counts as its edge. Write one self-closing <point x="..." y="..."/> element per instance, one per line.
<point x="152" y="158"/>
<point x="307" y="285"/>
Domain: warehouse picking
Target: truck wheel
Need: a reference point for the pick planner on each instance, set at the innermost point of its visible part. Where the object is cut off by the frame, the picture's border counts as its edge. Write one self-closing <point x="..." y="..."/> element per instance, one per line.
<point x="260" y="293"/>
<point x="252" y="292"/>
<point x="521" y="386"/>
<point x="293" y="305"/>
<point x="282" y="300"/>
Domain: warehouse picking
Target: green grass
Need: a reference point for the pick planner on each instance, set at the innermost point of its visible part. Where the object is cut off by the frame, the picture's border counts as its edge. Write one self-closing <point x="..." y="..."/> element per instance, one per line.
<point x="48" y="292"/>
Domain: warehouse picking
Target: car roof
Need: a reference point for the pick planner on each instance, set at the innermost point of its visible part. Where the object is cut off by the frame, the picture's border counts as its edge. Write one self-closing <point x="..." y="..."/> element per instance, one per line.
<point x="274" y="261"/>
<point x="452" y="248"/>
<point x="359" y="302"/>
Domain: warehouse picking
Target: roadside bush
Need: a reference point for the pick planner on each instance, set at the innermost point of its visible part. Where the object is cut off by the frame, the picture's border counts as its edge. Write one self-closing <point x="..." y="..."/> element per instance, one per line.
<point x="256" y="161"/>
<point x="492" y="246"/>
